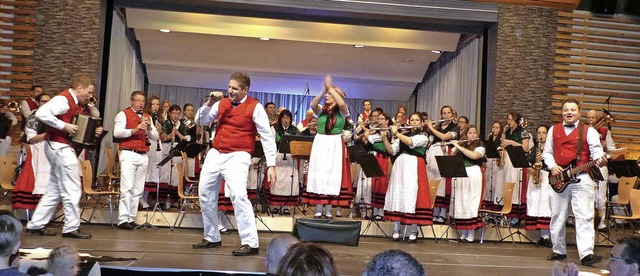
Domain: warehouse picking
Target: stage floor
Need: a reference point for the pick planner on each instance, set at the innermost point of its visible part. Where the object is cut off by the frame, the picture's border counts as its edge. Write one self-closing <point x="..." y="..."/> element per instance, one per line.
<point x="165" y="249"/>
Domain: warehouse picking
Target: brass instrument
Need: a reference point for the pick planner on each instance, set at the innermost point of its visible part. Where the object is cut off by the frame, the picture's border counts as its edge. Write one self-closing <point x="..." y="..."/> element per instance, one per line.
<point x="538" y="165"/>
<point x="92" y="101"/>
<point x="13" y="106"/>
<point x="451" y="142"/>
<point x="503" y="152"/>
<point x="605" y="118"/>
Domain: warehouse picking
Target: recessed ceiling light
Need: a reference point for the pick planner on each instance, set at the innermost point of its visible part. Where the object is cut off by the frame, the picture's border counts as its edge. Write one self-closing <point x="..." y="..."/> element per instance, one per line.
<point x="358" y="46"/>
<point x="165" y="30"/>
<point x="436" y="51"/>
<point x="265" y="38"/>
<point x="407" y="60"/>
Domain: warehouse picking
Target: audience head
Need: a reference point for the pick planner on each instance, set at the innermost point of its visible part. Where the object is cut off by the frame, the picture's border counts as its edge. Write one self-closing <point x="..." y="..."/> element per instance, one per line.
<point x="394" y="262"/>
<point x="625" y="257"/>
<point x="277" y="249"/>
<point x="10" y="229"/>
<point x="63" y="261"/>
<point x="307" y="259"/>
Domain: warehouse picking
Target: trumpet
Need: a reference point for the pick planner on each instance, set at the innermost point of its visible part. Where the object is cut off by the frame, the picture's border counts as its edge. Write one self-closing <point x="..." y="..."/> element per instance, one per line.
<point x="451" y="142"/>
<point x="13" y="106"/>
<point x="92" y="101"/>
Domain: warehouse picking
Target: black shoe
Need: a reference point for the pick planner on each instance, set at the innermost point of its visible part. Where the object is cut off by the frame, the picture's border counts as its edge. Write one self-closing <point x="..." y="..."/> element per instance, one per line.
<point x="206" y="244"/>
<point x="603" y="230"/>
<point x="275" y="210"/>
<point x="245" y="250"/>
<point x="76" y="235"/>
<point x="378" y="217"/>
<point x="556" y="257"/>
<point x="40" y="232"/>
<point x="590" y="260"/>
<point x="126" y="226"/>
<point x="134" y="224"/>
<point x="286" y="212"/>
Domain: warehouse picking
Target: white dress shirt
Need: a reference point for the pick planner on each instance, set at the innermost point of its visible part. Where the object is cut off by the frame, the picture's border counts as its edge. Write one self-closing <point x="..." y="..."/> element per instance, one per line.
<point x="206" y="115"/>
<point x="120" y="129"/>
<point x="593" y="139"/>
<point x="58" y="105"/>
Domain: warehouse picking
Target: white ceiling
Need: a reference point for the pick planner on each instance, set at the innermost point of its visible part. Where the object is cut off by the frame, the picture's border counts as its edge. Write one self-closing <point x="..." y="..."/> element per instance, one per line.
<point x="202" y="50"/>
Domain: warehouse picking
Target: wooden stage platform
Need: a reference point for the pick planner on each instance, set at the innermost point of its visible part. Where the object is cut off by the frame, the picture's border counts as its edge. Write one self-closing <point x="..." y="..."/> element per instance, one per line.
<point x="164" y="249"/>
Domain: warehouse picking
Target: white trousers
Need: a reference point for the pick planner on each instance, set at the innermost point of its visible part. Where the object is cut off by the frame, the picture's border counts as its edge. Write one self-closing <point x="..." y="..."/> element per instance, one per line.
<point x="64" y="185"/>
<point x="133" y="171"/>
<point x="601" y="197"/>
<point x="581" y="196"/>
<point x="233" y="167"/>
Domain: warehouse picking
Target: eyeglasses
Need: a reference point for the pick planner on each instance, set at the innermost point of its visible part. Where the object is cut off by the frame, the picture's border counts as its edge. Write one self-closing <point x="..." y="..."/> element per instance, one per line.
<point x="619" y="259"/>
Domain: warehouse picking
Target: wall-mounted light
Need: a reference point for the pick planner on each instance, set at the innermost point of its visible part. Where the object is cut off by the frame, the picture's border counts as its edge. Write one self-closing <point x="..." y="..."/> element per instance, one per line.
<point x="165" y="30"/>
<point x="358" y="46"/>
<point x="436" y="51"/>
<point x="265" y="38"/>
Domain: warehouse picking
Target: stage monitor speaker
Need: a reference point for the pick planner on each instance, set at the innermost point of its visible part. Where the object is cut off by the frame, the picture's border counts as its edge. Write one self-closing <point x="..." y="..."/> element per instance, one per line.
<point x="328" y="230"/>
<point x="604" y="6"/>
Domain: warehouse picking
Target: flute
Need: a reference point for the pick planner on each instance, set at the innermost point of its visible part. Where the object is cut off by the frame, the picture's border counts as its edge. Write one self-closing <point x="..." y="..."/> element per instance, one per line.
<point x="451" y="142"/>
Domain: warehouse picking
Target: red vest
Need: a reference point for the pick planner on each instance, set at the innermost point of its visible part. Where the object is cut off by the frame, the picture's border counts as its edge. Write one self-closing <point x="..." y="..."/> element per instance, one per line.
<point x="603" y="133"/>
<point x="138" y="140"/>
<point x="236" y="130"/>
<point x="59" y="135"/>
<point x="364" y="116"/>
<point x="565" y="146"/>
<point x="33" y="105"/>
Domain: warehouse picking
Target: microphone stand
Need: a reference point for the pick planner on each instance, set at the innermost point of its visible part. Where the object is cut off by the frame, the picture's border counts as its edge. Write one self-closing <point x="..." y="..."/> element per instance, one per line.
<point x="306" y="93"/>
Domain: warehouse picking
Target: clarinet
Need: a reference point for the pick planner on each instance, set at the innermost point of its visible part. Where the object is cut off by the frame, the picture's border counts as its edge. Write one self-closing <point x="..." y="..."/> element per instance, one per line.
<point x="155" y="121"/>
<point x="139" y="112"/>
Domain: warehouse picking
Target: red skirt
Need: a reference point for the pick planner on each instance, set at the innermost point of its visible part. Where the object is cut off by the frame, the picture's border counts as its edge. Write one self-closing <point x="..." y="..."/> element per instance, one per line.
<point x="380" y="184"/>
<point x="346" y="188"/>
<point x="22" y="196"/>
<point x="423" y="214"/>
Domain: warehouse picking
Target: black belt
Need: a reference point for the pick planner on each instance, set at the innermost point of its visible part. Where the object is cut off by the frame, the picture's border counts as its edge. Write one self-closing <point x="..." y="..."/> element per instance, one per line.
<point x="136" y="151"/>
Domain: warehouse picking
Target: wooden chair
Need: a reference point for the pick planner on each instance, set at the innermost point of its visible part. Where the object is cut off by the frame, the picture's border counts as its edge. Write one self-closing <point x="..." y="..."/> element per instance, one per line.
<point x="7" y="174"/>
<point x="625" y="185"/>
<point x="112" y="176"/>
<point x="91" y="194"/>
<point x="185" y="171"/>
<point x="634" y="200"/>
<point x="186" y="197"/>
<point x="500" y="217"/>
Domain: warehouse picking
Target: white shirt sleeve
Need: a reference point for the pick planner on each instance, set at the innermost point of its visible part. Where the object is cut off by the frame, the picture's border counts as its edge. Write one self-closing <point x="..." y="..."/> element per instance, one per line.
<point x="12" y="117"/>
<point x="480" y="150"/>
<point x="25" y="110"/>
<point x="547" y="153"/>
<point x="206" y="115"/>
<point x="47" y="113"/>
<point x="153" y="133"/>
<point x="419" y="140"/>
<point x="593" y="139"/>
<point x="120" y="126"/>
<point x="609" y="141"/>
<point x="263" y="127"/>
<point x="375" y="138"/>
<point x="395" y="146"/>
<point x="93" y="111"/>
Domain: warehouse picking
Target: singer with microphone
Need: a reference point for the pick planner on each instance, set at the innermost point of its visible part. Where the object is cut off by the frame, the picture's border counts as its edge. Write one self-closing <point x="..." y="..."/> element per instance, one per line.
<point x="133" y="128"/>
<point x="240" y="118"/>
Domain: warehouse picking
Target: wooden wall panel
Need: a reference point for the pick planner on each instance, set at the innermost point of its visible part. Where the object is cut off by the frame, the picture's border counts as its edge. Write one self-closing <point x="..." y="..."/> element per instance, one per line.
<point x="17" y="42"/>
<point x="597" y="58"/>
<point x="566" y="5"/>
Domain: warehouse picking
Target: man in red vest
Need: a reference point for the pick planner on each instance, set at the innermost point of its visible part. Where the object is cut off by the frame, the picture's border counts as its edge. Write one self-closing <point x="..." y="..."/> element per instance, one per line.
<point x="28" y="105"/>
<point x="133" y="128"/>
<point x="240" y="118"/>
<point x="606" y="140"/>
<point x="573" y="143"/>
<point x="58" y="115"/>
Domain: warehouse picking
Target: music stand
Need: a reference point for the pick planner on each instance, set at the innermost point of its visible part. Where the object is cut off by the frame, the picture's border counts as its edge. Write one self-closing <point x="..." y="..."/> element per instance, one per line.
<point x="285" y="148"/>
<point x="177" y="150"/>
<point x="261" y="199"/>
<point x="519" y="161"/>
<point x="301" y="150"/>
<point x="491" y="151"/>
<point x="371" y="168"/>
<point x="627" y="168"/>
<point x="451" y="166"/>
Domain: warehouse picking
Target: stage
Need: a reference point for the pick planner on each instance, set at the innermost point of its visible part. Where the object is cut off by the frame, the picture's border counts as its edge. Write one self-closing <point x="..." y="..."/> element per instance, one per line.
<point x="163" y="249"/>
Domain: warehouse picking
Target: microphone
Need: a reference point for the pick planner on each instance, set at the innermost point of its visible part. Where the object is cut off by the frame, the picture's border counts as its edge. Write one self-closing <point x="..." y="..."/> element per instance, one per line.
<point x="607" y="100"/>
<point x="307" y="88"/>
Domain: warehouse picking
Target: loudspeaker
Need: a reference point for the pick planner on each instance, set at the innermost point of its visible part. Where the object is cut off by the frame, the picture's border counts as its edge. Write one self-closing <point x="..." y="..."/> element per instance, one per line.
<point x="604" y="6"/>
<point x="328" y="230"/>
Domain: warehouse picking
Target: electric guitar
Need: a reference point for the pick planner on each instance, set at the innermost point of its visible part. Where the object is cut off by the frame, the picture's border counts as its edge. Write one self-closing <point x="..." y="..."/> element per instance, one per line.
<point x="568" y="176"/>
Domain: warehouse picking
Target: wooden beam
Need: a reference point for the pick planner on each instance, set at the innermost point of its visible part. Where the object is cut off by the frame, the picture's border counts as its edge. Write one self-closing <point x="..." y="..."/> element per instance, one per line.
<point x="629" y="88"/>
<point x="566" y="5"/>
<point x="19" y="3"/>
<point x="584" y="31"/>
<point x="27" y="20"/>
<point x="16" y="69"/>
<point x="590" y="17"/>
<point x="604" y="25"/>
<point x="17" y="52"/>
<point x="21" y="36"/>
<point x="17" y="44"/>
<point x="598" y="40"/>
<point x="605" y="93"/>
<point x="592" y="46"/>
<point x="15" y="77"/>
<point x="17" y="60"/>
<point x="604" y="70"/>
<point x="596" y="77"/>
<point x="620" y="64"/>
<point x="598" y="99"/>
<point x="15" y="85"/>
<point x="25" y="28"/>
<point x="598" y="55"/>
<point x="18" y="11"/>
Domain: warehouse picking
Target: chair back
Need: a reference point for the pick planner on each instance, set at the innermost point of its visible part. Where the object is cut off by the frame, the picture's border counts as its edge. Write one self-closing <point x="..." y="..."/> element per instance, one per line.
<point x="625" y="185"/>
<point x="433" y="190"/>
<point x="7" y="172"/>
<point x="507" y="197"/>
<point x="87" y="176"/>
<point x="635" y="203"/>
<point x="185" y="164"/>
<point x="180" y="171"/>
<point x="111" y="162"/>
<point x="300" y="149"/>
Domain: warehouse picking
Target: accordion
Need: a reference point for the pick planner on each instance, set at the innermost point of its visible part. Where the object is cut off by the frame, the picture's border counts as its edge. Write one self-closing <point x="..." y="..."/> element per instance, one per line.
<point x="86" y="134"/>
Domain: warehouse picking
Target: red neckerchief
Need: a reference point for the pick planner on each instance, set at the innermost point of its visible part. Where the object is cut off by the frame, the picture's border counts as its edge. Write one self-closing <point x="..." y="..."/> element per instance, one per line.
<point x="331" y="117"/>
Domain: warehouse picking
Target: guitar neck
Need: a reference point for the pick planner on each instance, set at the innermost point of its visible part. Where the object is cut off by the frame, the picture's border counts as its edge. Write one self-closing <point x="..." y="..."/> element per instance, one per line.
<point x="585" y="165"/>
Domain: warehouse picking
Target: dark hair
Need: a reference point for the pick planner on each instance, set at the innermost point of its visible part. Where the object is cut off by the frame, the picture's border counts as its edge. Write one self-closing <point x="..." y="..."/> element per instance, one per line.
<point x="186" y="105"/>
<point x="283" y="113"/>
<point x="307" y="259"/>
<point x="463" y="136"/>
<point x="403" y="107"/>
<point x="147" y="105"/>
<point x="366" y="101"/>
<point x="394" y="262"/>
<point x="379" y="110"/>
<point x="270" y="103"/>
<point x="465" y="118"/>
<point x="416" y="113"/>
<point x="242" y="78"/>
<point x="388" y="118"/>
<point x="33" y="87"/>
<point x="424" y="114"/>
<point x="136" y="93"/>
<point x="174" y="107"/>
<point x="572" y="100"/>
<point x="515" y="116"/>
<point x="631" y="252"/>
<point x="446" y="106"/>
<point x="39" y="96"/>
<point x="10" y="229"/>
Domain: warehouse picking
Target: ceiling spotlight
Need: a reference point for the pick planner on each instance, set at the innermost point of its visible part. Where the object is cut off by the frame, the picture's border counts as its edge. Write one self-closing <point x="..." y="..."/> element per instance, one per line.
<point x="265" y="38"/>
<point x="358" y="46"/>
<point x="407" y="60"/>
<point x="165" y="30"/>
<point x="436" y="51"/>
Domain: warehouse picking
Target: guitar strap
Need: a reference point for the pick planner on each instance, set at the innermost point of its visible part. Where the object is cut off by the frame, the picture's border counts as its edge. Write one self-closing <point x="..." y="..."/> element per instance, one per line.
<point x="579" y="151"/>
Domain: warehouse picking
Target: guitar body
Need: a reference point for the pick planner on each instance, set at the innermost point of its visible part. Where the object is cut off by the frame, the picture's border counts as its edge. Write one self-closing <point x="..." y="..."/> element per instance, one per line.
<point x="560" y="182"/>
